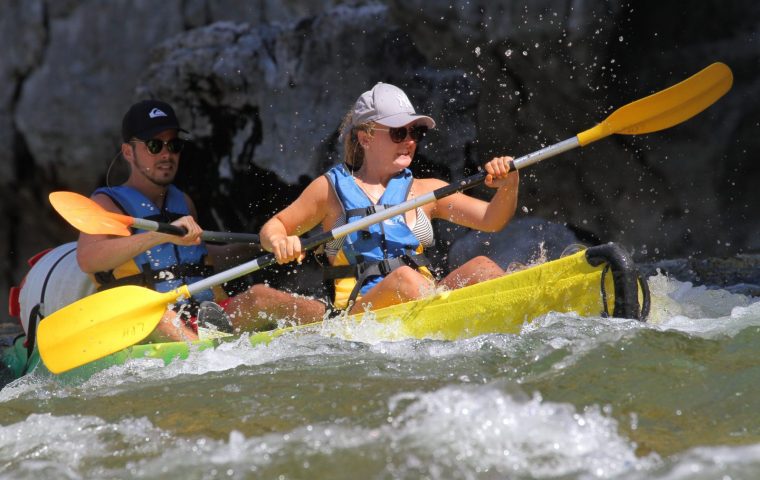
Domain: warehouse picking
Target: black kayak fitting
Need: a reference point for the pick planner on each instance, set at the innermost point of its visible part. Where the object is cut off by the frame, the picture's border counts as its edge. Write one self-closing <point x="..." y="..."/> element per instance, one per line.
<point x="626" y="279"/>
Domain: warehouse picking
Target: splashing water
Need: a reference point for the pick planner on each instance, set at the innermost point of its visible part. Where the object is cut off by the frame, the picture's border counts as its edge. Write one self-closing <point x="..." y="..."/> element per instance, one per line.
<point x="567" y="397"/>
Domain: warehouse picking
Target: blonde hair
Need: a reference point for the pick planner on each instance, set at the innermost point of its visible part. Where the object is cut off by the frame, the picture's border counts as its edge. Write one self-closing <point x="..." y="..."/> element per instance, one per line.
<point x="353" y="153"/>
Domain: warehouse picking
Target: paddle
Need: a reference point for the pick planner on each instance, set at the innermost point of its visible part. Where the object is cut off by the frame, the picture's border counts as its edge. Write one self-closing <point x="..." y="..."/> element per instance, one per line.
<point x="89" y="217"/>
<point x="114" y="319"/>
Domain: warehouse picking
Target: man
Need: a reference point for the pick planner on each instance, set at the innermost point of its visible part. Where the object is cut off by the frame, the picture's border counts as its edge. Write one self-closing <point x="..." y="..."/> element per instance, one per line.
<point x="152" y="148"/>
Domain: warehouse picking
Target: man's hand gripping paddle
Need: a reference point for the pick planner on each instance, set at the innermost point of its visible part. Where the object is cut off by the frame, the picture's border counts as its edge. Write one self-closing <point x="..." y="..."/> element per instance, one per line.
<point x="89" y="217"/>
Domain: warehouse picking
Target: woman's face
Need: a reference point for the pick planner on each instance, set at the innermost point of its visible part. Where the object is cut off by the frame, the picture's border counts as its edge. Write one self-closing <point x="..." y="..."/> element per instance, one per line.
<point x="383" y="151"/>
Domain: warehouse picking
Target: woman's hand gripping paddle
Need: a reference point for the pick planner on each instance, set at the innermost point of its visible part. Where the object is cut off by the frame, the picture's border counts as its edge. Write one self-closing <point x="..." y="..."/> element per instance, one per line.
<point x="114" y="319"/>
<point x="89" y="217"/>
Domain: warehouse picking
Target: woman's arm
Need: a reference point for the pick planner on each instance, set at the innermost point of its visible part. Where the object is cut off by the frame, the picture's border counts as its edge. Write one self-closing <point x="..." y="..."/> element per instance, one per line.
<point x="280" y="234"/>
<point x="474" y="213"/>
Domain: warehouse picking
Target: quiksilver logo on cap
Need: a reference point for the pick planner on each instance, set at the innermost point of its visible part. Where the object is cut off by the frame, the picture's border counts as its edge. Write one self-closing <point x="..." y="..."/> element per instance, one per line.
<point x="156" y="112"/>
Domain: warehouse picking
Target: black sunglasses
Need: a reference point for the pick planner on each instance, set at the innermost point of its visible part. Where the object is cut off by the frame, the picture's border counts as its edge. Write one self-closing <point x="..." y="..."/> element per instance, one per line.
<point x="155" y="145"/>
<point x="398" y="135"/>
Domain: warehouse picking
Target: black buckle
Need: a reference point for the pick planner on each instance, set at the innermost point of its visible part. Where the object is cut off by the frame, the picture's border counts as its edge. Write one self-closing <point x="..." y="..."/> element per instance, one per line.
<point x="384" y="268"/>
<point x="360" y="269"/>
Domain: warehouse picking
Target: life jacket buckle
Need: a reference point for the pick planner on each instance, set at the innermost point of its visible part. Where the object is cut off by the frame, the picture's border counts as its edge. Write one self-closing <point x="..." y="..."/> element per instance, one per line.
<point x="384" y="267"/>
<point x="360" y="269"/>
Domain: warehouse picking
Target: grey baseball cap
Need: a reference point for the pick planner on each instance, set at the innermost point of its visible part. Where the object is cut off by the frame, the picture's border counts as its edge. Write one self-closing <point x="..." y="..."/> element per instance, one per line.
<point x="387" y="105"/>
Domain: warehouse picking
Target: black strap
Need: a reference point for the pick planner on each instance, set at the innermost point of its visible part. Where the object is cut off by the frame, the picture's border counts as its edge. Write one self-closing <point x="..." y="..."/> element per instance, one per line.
<point x="364" y="270"/>
<point x="31" y="336"/>
<point x="646" y="303"/>
<point x="646" y="300"/>
<point x="163" y="215"/>
<point x="605" y="310"/>
<point x="365" y="211"/>
<point x="149" y="277"/>
<point x="626" y="279"/>
<point x="381" y="267"/>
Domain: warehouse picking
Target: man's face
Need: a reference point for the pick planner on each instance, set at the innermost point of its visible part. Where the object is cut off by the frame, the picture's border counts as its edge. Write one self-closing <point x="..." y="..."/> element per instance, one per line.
<point x="159" y="168"/>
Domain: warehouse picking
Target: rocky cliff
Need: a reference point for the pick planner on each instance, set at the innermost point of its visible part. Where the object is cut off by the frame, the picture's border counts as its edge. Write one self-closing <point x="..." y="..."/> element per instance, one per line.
<point x="262" y="87"/>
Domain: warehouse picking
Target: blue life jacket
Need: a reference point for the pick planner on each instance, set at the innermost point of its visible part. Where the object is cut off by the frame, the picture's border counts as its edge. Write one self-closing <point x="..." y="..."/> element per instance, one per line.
<point x="367" y="256"/>
<point x="166" y="266"/>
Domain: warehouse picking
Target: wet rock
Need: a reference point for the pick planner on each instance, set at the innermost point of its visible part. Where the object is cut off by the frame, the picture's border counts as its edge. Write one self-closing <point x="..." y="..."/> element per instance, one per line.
<point x="263" y="85"/>
<point x="739" y="274"/>
<point x="524" y="241"/>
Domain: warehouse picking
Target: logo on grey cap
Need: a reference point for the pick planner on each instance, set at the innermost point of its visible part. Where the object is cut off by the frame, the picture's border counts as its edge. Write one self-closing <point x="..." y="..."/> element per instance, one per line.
<point x="387" y="105"/>
<point x="404" y="102"/>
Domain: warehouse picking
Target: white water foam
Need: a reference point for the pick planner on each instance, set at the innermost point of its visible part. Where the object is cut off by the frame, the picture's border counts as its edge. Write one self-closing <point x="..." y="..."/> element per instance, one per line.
<point x="80" y="440"/>
<point x="709" y="463"/>
<point x="454" y="432"/>
<point x="699" y="310"/>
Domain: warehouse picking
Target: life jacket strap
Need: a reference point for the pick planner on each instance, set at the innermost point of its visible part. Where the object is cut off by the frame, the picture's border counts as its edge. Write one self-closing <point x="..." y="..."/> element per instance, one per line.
<point x="366" y="269"/>
<point x="365" y="211"/>
<point x="149" y="277"/>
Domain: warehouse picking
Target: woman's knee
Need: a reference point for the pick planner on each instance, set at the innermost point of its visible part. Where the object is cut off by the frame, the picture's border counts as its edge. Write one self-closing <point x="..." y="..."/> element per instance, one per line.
<point x="484" y="266"/>
<point x="260" y="290"/>
<point x="408" y="281"/>
<point x="256" y="297"/>
<point x="485" y="261"/>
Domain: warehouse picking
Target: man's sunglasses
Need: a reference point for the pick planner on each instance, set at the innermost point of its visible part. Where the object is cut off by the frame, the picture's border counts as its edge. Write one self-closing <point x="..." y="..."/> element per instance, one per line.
<point x="398" y="135"/>
<point x="155" y="145"/>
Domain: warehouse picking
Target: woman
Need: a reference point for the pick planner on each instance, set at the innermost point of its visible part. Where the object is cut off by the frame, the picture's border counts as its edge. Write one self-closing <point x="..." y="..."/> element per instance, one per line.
<point x="383" y="266"/>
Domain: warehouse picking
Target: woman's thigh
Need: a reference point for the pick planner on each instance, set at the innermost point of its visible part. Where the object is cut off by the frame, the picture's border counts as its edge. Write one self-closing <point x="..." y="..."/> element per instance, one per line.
<point x="401" y="285"/>
<point x="474" y="271"/>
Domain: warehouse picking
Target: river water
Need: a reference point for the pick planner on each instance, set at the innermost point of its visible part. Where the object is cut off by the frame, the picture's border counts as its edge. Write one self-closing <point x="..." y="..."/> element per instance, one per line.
<point x="566" y="398"/>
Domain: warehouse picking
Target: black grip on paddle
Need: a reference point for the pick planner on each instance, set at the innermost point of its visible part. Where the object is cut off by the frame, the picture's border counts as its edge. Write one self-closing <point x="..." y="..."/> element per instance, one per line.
<point x="171" y="229"/>
<point x="231" y="237"/>
<point x="317" y="240"/>
<point x="461" y="185"/>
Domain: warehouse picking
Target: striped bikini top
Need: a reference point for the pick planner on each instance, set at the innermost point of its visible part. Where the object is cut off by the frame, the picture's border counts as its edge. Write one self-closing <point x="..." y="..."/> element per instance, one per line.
<point x="422" y="229"/>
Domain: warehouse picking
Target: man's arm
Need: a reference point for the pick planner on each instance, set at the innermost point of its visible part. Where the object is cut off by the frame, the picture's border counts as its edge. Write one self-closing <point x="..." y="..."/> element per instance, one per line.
<point x="97" y="253"/>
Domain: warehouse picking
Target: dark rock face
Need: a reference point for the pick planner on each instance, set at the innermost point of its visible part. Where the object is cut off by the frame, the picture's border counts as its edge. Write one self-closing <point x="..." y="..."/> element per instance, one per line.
<point x="527" y="241"/>
<point x="263" y="86"/>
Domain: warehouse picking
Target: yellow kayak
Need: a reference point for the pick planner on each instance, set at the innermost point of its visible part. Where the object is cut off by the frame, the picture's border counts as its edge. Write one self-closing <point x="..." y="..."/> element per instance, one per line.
<point x="598" y="281"/>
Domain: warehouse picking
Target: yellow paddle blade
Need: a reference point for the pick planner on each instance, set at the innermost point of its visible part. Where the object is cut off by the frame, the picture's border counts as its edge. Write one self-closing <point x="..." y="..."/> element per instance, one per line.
<point x="100" y="325"/>
<point x="89" y="217"/>
<point x="665" y="108"/>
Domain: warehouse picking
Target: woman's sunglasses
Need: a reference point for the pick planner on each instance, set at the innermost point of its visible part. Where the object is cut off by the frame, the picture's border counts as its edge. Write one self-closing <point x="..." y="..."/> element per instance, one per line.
<point x="155" y="145"/>
<point x="398" y="135"/>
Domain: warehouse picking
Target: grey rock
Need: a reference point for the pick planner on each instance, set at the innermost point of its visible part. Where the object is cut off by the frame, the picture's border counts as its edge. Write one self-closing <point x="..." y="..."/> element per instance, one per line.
<point x="524" y="241"/>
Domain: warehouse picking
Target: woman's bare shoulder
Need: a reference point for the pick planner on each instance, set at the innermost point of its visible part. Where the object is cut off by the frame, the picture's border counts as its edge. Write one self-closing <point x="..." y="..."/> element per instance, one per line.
<point x="424" y="185"/>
